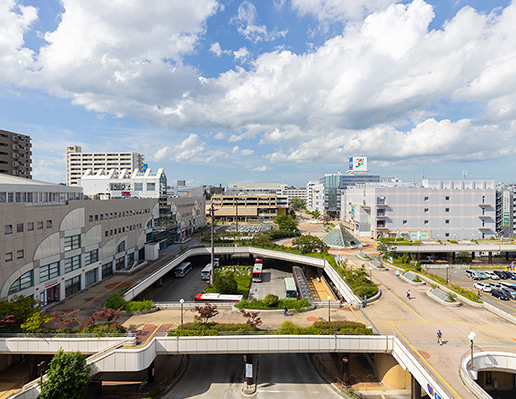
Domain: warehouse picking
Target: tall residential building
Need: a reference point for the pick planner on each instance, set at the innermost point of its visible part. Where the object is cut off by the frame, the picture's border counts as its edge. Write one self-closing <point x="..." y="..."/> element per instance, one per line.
<point x="432" y="209"/>
<point x="15" y="154"/>
<point x="78" y="162"/>
<point x="506" y="207"/>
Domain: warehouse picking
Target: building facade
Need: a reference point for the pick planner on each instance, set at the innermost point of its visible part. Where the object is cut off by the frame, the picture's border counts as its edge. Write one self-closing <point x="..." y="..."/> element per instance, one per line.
<point x="254" y="188"/>
<point x="295" y="192"/>
<point x="15" y="154"/>
<point x="506" y="218"/>
<point x="78" y="162"/>
<point x="433" y="209"/>
<point x="248" y="207"/>
<point x="54" y="243"/>
<point x="315" y="197"/>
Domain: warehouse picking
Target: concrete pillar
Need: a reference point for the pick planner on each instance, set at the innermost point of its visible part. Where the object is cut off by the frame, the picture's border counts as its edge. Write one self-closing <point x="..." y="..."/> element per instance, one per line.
<point x="472" y="255"/>
<point x="453" y="259"/>
<point x="415" y="389"/>
<point x="490" y="258"/>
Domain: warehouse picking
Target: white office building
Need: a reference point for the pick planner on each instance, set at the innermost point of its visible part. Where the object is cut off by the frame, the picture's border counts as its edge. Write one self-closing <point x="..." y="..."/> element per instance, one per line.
<point x="78" y="162"/>
<point x="295" y="192"/>
<point x="124" y="184"/>
<point x="430" y="210"/>
<point x="315" y="196"/>
<point x="254" y="188"/>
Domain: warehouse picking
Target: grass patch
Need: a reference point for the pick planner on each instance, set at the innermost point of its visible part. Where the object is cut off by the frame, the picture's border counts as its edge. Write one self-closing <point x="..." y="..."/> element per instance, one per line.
<point x="242" y="274"/>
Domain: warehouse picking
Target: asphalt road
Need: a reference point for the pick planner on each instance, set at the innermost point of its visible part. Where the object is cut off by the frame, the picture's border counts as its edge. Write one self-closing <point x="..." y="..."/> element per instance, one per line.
<point x="285" y="376"/>
<point x="273" y="276"/>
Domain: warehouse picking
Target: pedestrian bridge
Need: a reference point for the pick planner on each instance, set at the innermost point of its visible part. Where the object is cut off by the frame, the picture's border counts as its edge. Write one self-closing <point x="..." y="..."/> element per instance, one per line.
<point x="337" y="280"/>
<point x="118" y="358"/>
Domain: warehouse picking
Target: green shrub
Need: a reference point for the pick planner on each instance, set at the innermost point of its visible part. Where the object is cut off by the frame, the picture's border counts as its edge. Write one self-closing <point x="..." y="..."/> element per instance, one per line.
<point x="115" y="300"/>
<point x="289" y="328"/>
<point x="271" y="300"/>
<point x="138" y="306"/>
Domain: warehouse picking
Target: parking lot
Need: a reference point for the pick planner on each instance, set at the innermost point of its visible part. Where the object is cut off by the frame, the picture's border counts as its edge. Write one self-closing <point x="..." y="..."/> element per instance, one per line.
<point x="458" y="276"/>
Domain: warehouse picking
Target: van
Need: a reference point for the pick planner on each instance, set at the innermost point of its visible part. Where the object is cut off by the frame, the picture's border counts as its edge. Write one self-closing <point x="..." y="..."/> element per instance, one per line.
<point x="471" y="274"/>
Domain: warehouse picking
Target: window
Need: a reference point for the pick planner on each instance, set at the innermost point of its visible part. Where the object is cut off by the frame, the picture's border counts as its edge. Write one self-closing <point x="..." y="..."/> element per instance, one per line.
<point x="425" y="210"/>
<point x="404" y="222"/>
<point x="138" y="186"/>
<point x="101" y="216"/>
<point x="40" y="225"/>
<point x="446" y="234"/>
<point x="19" y="254"/>
<point x="120" y="263"/>
<point x="96" y="218"/>
<point x="30" y="226"/>
<point x="90" y="277"/>
<point x="106" y="233"/>
<point x="151" y="186"/>
<point x="90" y="257"/>
<point x="49" y="224"/>
<point x="48" y="271"/>
<point x="121" y="247"/>
<point x="8" y="256"/>
<point x="447" y="198"/>
<point x="447" y="221"/>
<point x="73" y="285"/>
<point x="19" y="228"/>
<point x="72" y="242"/>
<point x="25" y="281"/>
<point x="8" y="229"/>
<point x="447" y="209"/>
<point x="72" y="263"/>
<point x="91" y="218"/>
<point x="425" y="222"/>
<point x="107" y="270"/>
<point x="425" y="199"/>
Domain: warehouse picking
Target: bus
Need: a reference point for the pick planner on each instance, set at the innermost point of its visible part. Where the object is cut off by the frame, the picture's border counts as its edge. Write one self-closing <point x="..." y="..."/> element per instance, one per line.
<point x="214" y="297"/>
<point x="206" y="272"/>
<point x="290" y="288"/>
<point x="257" y="271"/>
<point x="183" y="269"/>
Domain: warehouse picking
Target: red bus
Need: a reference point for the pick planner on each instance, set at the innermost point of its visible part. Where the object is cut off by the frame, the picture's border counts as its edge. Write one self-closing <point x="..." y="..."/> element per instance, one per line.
<point x="214" y="297"/>
<point x="257" y="271"/>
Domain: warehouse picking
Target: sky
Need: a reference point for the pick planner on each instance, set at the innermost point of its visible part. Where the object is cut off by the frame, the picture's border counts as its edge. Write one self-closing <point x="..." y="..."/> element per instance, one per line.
<point x="284" y="91"/>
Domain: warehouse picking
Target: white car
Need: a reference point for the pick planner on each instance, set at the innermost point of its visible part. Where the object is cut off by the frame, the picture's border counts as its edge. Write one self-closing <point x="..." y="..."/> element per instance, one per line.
<point x="486" y="287"/>
<point x="492" y="275"/>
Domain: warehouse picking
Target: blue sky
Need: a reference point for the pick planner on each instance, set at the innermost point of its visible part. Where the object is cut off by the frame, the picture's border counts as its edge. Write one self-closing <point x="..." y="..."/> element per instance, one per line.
<point x="283" y="91"/>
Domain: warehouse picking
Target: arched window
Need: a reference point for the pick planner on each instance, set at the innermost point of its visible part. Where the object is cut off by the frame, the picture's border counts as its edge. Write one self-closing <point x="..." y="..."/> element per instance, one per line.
<point x="25" y="281"/>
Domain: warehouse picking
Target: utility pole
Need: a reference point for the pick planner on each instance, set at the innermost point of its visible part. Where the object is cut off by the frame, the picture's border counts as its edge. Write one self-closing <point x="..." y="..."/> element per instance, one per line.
<point x="236" y="227"/>
<point x="212" y="242"/>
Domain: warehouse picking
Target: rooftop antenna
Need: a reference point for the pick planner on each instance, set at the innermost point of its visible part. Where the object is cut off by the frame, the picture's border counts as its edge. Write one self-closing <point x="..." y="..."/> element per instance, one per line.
<point x="464" y="174"/>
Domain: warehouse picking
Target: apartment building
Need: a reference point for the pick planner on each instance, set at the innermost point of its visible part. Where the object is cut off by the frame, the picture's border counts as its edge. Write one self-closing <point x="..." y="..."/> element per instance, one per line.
<point x="432" y="209"/>
<point x="53" y="243"/>
<point x="254" y="188"/>
<point x="15" y="154"/>
<point x="315" y="196"/>
<point x="248" y="207"/>
<point x="78" y="162"/>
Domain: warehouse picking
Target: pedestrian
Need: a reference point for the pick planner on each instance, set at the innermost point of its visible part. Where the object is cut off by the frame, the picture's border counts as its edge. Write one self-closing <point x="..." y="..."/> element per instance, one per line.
<point x="439" y="337"/>
<point x="285" y="310"/>
<point x="408" y="294"/>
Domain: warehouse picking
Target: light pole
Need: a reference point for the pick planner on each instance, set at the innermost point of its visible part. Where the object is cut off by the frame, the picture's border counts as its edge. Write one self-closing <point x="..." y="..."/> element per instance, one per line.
<point x="471" y="337"/>
<point x="371" y="273"/>
<point x="212" y="240"/>
<point x="329" y="300"/>
<point x="181" y="301"/>
<point x="40" y="366"/>
<point x="447" y="281"/>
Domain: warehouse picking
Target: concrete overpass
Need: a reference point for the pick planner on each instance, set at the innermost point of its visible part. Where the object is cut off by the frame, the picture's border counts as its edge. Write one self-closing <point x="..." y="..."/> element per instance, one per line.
<point x="337" y="280"/>
<point x="121" y="359"/>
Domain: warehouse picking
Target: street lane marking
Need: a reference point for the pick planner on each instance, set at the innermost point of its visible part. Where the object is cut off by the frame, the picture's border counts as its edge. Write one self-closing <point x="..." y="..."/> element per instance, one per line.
<point x="426" y="362"/>
<point x="358" y="318"/>
<point x="395" y="296"/>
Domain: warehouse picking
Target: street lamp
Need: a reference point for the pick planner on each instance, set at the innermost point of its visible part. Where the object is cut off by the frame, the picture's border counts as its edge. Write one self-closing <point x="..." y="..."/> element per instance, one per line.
<point x="371" y="273"/>
<point x="181" y="301"/>
<point x="471" y="337"/>
<point x="329" y="300"/>
<point x="40" y="366"/>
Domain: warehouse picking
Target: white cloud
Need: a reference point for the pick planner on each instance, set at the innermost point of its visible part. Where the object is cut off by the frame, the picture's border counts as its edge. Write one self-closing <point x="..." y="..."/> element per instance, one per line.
<point x="220" y="136"/>
<point x="236" y="149"/>
<point x="217" y="50"/>
<point x="246" y="153"/>
<point x="263" y="168"/>
<point x="242" y="54"/>
<point x="339" y="10"/>
<point x="191" y="148"/>
<point x="246" y="19"/>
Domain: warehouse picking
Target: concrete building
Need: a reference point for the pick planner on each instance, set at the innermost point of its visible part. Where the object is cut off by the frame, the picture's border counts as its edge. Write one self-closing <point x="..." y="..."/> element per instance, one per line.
<point x="15" y="154"/>
<point x="78" y="162"/>
<point x="124" y="184"/>
<point x="506" y="207"/>
<point x="248" y="207"/>
<point x="334" y="184"/>
<point x="432" y="209"/>
<point x="315" y="196"/>
<point x="54" y="243"/>
<point x="254" y="188"/>
<point x="295" y="192"/>
<point x="188" y="203"/>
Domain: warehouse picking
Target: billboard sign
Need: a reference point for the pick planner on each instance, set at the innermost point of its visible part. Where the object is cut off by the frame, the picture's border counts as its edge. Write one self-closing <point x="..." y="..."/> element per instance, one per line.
<point x="358" y="164"/>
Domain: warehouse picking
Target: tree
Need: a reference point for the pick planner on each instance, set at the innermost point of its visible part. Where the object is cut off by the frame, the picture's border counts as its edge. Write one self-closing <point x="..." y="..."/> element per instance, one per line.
<point x="297" y="203"/>
<point x="109" y="315"/>
<point x="308" y="244"/>
<point x="21" y="308"/>
<point x="252" y="317"/>
<point x="67" y="377"/>
<point x="35" y="322"/>
<point x="226" y="283"/>
<point x="206" y="312"/>
<point x="64" y="319"/>
<point x="285" y="222"/>
<point x="315" y="214"/>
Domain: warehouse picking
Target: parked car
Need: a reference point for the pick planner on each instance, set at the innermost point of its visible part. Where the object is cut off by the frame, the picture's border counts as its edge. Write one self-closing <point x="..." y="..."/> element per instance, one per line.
<point x="501" y="274"/>
<point x="486" y="287"/>
<point x="492" y="276"/>
<point x="483" y="275"/>
<point x="500" y="295"/>
<point x="512" y="275"/>
<point x="509" y="292"/>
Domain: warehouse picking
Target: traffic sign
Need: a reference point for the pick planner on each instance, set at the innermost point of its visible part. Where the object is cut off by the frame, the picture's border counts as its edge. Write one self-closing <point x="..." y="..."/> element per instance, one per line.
<point x="345" y="359"/>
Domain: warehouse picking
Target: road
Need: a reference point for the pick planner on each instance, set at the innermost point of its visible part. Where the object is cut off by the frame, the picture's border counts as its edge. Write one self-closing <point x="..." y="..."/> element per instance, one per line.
<point x="286" y="376"/>
<point x="273" y="276"/>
